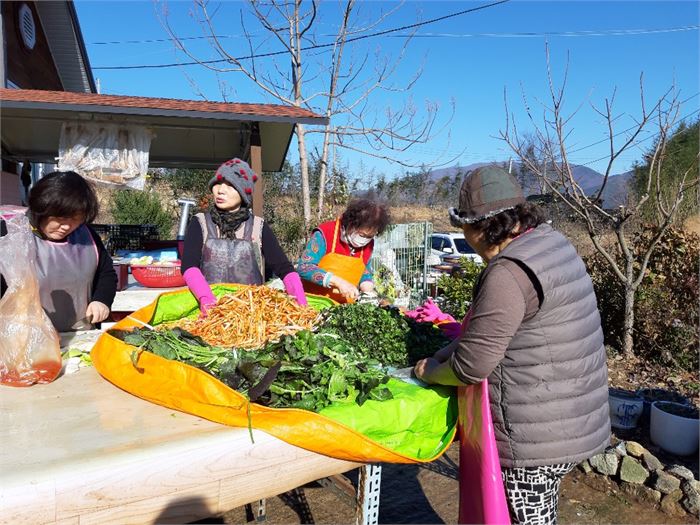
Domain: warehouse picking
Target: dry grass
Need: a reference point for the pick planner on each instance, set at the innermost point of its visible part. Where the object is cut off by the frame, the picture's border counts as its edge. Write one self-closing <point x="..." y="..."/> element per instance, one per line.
<point x="438" y="216"/>
<point x="104" y="197"/>
<point x="692" y="224"/>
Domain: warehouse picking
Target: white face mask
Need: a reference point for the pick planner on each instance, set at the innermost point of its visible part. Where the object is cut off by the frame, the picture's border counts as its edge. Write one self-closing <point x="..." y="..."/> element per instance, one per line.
<point x="357" y="240"/>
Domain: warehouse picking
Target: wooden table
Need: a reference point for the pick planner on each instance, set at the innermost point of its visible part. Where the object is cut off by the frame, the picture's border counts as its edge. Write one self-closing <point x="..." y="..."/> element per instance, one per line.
<point x="79" y="450"/>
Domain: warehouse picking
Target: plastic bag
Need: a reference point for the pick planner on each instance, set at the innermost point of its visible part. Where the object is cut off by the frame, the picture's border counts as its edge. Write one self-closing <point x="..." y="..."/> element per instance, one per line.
<point x="29" y="344"/>
<point x="110" y="153"/>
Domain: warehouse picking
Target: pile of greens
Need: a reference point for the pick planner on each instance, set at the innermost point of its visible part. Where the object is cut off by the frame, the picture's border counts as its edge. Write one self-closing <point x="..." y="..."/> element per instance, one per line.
<point x="383" y="334"/>
<point x="306" y="370"/>
<point x="176" y="344"/>
<point x="343" y="362"/>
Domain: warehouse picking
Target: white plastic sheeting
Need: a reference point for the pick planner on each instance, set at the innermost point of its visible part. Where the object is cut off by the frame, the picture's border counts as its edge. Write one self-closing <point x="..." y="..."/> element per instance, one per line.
<point x="106" y="152"/>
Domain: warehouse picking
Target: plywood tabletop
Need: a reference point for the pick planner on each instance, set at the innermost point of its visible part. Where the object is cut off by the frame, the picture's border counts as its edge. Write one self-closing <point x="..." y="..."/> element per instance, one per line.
<point x="80" y="450"/>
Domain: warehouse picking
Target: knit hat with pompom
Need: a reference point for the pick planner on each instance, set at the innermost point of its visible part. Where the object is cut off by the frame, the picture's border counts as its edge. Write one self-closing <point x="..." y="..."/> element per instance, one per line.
<point x="238" y="174"/>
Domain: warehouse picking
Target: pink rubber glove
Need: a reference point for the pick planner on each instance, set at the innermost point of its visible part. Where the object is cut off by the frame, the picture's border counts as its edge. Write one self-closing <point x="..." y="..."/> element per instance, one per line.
<point x="450" y="329"/>
<point x="200" y="289"/>
<point x="430" y="312"/>
<point x="413" y="314"/>
<point x="293" y="286"/>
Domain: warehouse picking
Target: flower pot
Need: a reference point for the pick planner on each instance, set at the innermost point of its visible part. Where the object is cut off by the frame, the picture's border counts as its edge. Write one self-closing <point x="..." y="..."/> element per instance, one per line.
<point x="625" y="408"/>
<point x="649" y="395"/>
<point x="675" y="427"/>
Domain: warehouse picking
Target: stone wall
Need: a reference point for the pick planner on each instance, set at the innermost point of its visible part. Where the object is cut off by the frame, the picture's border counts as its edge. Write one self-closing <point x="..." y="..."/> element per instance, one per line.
<point x="672" y="488"/>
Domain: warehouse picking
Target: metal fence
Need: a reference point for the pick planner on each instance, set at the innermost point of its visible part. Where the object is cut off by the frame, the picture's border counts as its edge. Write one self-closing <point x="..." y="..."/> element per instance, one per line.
<point x="400" y="262"/>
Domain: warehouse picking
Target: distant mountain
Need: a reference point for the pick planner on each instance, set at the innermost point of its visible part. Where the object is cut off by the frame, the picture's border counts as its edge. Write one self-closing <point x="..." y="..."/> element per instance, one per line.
<point x="615" y="193"/>
<point x="436" y="175"/>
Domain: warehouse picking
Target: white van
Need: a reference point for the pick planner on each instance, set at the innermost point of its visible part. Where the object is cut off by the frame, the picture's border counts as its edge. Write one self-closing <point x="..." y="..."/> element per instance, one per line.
<point x="443" y="244"/>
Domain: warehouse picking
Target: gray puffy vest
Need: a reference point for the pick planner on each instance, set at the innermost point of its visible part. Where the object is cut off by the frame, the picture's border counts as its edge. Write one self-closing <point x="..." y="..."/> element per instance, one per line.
<point x="549" y="394"/>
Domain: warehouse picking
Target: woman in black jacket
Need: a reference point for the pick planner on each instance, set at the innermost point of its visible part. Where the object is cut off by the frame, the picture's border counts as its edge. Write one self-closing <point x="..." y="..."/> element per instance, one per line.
<point x="228" y="244"/>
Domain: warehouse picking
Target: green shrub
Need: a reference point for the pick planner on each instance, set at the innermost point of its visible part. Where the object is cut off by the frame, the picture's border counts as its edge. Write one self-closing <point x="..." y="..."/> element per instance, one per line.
<point x="666" y="302"/>
<point x="191" y="184"/>
<point x="283" y="211"/>
<point x="141" y="207"/>
<point x="457" y="289"/>
<point x="290" y="232"/>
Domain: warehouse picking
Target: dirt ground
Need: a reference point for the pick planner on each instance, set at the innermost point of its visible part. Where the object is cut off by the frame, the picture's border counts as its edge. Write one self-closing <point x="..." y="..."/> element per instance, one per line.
<point x="428" y="494"/>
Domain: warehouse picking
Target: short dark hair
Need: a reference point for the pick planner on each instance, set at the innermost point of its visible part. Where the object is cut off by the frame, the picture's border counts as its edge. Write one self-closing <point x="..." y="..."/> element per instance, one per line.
<point x="365" y="213"/>
<point x="62" y="194"/>
<point x="500" y="227"/>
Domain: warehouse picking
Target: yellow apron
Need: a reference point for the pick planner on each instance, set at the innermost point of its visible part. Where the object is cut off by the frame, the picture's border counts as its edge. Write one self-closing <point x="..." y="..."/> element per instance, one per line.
<point x="344" y="266"/>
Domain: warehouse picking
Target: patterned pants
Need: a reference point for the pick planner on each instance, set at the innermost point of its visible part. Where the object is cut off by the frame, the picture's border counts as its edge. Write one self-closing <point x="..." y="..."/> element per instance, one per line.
<point x="533" y="493"/>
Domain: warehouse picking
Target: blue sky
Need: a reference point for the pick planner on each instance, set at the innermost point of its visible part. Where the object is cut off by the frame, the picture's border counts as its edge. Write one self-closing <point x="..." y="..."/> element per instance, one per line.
<point x="469" y="59"/>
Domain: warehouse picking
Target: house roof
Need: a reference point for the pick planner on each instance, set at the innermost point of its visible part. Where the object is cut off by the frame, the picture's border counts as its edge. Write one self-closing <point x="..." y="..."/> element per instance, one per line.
<point x="62" y="29"/>
<point x="187" y="133"/>
<point x="151" y="106"/>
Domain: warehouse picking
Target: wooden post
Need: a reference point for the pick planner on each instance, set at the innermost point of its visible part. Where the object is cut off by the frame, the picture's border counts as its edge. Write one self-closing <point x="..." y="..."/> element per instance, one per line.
<point x="256" y="164"/>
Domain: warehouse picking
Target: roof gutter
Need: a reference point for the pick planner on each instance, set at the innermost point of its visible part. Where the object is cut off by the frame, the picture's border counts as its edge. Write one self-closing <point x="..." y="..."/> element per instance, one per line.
<point x="81" y="44"/>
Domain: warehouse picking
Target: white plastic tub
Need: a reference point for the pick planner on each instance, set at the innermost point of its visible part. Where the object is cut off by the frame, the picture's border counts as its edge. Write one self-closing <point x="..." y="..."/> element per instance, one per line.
<point x="674" y="433"/>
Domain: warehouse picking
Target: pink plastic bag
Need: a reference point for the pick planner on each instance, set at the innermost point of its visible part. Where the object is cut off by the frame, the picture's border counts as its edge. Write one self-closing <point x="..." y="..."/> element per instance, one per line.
<point x="29" y="345"/>
<point x="482" y="498"/>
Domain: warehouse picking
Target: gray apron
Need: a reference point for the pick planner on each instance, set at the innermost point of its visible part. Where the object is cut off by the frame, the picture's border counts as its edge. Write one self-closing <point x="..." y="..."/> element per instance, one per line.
<point x="65" y="271"/>
<point x="236" y="260"/>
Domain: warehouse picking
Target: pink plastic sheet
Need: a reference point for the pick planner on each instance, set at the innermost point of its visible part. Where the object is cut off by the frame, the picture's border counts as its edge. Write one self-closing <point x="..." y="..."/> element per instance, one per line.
<point x="482" y="498"/>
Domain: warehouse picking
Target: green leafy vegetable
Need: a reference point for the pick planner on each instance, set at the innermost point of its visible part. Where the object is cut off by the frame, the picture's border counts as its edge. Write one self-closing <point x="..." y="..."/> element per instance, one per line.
<point x="306" y="370"/>
<point x="312" y="371"/>
<point x="176" y="344"/>
<point x="384" y="334"/>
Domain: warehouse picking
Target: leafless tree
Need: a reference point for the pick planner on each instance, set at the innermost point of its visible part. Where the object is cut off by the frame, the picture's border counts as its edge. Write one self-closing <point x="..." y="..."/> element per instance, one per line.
<point x="339" y="81"/>
<point x="553" y="168"/>
<point x="529" y="181"/>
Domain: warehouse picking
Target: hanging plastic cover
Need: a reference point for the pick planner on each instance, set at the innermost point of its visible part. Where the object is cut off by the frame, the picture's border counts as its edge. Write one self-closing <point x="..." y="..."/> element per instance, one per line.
<point x="106" y="152"/>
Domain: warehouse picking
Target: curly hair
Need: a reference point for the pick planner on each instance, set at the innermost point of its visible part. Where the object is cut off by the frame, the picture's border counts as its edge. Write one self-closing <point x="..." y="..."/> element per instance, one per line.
<point x="62" y="194"/>
<point x="500" y="227"/>
<point x="365" y="213"/>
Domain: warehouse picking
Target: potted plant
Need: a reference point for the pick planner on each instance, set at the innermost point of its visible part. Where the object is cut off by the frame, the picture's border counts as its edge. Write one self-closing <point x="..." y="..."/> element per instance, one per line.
<point x="675" y="427"/>
<point x="625" y="408"/>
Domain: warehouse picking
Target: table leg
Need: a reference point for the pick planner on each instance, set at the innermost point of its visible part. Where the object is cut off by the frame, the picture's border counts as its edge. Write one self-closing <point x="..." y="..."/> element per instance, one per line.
<point x="260" y="515"/>
<point x="296" y="499"/>
<point x="368" y="485"/>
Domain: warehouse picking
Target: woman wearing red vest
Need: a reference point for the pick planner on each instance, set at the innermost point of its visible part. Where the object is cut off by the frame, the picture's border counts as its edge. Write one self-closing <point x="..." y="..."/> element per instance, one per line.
<point x="335" y="262"/>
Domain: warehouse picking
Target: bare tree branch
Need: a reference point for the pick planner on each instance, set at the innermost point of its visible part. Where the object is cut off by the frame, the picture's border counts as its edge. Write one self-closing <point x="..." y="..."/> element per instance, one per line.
<point x="341" y="85"/>
<point x="552" y="167"/>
